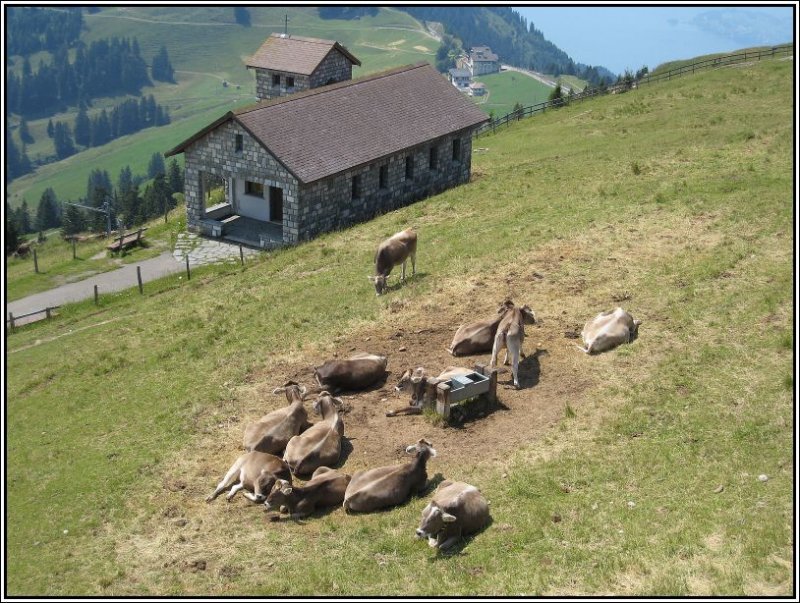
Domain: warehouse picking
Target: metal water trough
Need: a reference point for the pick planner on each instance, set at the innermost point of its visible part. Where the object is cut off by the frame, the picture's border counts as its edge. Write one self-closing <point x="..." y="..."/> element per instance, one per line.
<point x="482" y="384"/>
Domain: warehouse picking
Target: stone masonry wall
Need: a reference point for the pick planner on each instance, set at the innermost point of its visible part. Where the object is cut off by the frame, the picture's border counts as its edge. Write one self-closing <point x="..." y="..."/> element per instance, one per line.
<point x="265" y="89"/>
<point x="335" y="66"/>
<point x="216" y="154"/>
<point x="327" y="204"/>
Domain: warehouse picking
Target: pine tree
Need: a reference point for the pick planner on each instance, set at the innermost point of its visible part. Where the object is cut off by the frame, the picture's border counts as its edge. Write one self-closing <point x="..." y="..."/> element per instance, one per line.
<point x="125" y="181"/>
<point x="12" y="234"/>
<point x="175" y="176"/>
<point x="101" y="129"/>
<point x="156" y="165"/>
<point x="62" y="139"/>
<point x="22" y="218"/>
<point x="24" y="132"/>
<point x="162" y="69"/>
<point x="50" y="130"/>
<point x="83" y="128"/>
<point x="73" y="221"/>
<point x="131" y="207"/>
<point x="47" y="214"/>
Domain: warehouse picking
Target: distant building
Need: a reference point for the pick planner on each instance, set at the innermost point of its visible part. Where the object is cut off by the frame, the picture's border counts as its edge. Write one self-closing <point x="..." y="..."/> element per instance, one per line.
<point x="314" y="161"/>
<point x="480" y="61"/>
<point x="285" y="64"/>
<point x="461" y="79"/>
<point x="477" y="89"/>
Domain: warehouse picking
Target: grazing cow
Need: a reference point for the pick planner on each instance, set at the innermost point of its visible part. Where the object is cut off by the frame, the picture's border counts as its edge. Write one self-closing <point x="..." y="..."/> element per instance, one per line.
<point x="320" y="444"/>
<point x="607" y="330"/>
<point x="326" y="489"/>
<point x="394" y="251"/>
<point x="388" y="486"/>
<point x="273" y="431"/>
<point x="457" y="509"/>
<point x="357" y="372"/>
<point x="257" y="472"/>
<point x="511" y="334"/>
<point x="477" y="337"/>
<point x="416" y="383"/>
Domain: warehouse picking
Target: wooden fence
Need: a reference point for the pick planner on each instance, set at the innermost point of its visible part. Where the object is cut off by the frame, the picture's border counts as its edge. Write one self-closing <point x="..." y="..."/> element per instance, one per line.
<point x="713" y="63"/>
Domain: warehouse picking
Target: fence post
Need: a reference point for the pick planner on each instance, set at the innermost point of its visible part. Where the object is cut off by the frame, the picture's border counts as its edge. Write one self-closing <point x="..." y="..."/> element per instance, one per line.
<point x="241" y="253"/>
<point x="139" y="278"/>
<point x="35" y="262"/>
<point x="188" y="272"/>
<point x="73" y="248"/>
<point x="11" y="320"/>
<point x="47" y="312"/>
<point x="96" y="297"/>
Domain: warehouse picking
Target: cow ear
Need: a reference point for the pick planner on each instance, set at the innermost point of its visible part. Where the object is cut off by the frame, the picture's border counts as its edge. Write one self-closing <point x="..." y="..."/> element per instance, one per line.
<point x="371" y="279"/>
<point x="636" y="323"/>
<point x="447" y="518"/>
<point x="286" y="491"/>
<point x="411" y="449"/>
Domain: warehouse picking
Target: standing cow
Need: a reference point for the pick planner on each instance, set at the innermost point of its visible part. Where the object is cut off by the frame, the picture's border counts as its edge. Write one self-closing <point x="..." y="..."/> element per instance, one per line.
<point x="392" y="252"/>
<point x="457" y="509"/>
<point x="511" y="334"/>
<point x="607" y="330"/>
<point x="477" y="337"/>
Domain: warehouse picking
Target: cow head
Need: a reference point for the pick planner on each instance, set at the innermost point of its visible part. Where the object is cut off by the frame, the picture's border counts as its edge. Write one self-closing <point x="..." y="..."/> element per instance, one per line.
<point x="325" y="404"/>
<point x="422" y="446"/>
<point x="433" y="521"/>
<point x="279" y="495"/>
<point x="635" y="330"/>
<point x="291" y="389"/>
<point x="505" y="306"/>
<point x="413" y="382"/>
<point x="528" y="317"/>
<point x="379" y="282"/>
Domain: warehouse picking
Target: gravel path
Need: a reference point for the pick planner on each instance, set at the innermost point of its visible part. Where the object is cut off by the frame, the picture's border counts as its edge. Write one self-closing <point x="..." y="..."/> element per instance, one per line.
<point x="200" y="251"/>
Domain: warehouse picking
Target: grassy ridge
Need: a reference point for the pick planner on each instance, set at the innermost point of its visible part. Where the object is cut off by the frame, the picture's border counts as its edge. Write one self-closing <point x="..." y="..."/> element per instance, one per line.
<point x="508" y="88"/>
<point x="649" y="192"/>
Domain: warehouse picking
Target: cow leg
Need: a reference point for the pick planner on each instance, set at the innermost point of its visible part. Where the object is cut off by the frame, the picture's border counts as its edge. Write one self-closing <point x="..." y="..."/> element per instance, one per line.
<point x="413" y="263"/>
<point x="234" y="490"/>
<point x="404" y="270"/>
<point x="256" y="498"/>
<point x="495" y="350"/>
<point x="448" y="543"/>
<point x="513" y="345"/>
<point x="226" y="481"/>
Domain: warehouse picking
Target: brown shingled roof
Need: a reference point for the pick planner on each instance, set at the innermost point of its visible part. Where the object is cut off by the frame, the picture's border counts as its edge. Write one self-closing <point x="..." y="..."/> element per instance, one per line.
<point x="295" y="54"/>
<point x="326" y="130"/>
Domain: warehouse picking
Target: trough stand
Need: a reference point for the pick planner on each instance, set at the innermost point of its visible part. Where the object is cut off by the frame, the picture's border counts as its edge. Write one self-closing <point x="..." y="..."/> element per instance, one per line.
<point x="482" y="385"/>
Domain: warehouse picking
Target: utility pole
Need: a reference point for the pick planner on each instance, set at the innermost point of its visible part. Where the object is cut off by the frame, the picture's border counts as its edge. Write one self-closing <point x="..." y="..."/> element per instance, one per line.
<point x="286" y="24"/>
<point x="106" y="209"/>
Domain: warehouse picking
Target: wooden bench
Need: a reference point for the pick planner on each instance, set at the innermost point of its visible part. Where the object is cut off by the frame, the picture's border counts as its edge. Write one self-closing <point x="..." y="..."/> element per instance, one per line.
<point x="127" y="240"/>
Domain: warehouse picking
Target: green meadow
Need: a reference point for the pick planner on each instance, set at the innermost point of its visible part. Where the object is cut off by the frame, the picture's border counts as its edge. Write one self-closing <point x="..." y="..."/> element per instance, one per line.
<point x="636" y="472"/>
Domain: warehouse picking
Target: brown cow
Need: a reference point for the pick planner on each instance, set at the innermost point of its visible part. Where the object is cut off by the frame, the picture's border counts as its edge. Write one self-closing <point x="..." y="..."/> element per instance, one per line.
<point x="257" y="472"/>
<point x="417" y="381"/>
<point x="394" y="251"/>
<point x="511" y="334"/>
<point x="273" y="431"/>
<point x="320" y="444"/>
<point x="325" y="489"/>
<point x="478" y="337"/>
<point x="607" y="330"/>
<point x="357" y="372"/>
<point x="457" y="509"/>
<point x="388" y="486"/>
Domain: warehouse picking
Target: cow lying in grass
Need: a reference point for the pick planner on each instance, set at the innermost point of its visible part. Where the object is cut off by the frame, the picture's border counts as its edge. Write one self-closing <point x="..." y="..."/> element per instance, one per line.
<point x="357" y="372"/>
<point x="416" y="383"/>
<point x="388" y="486"/>
<point x="607" y="330"/>
<point x="320" y="444"/>
<point x="256" y="473"/>
<point x="273" y="431"/>
<point x="457" y="509"/>
<point x="325" y="489"/>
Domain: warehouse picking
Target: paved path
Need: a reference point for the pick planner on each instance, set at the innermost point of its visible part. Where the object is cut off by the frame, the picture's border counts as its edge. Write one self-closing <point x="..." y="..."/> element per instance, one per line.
<point x="200" y="251"/>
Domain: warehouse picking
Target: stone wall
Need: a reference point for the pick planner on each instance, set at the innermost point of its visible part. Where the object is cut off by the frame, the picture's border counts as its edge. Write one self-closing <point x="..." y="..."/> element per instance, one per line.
<point x="328" y="205"/>
<point x="335" y="66"/>
<point x="265" y="89"/>
<point x="216" y="154"/>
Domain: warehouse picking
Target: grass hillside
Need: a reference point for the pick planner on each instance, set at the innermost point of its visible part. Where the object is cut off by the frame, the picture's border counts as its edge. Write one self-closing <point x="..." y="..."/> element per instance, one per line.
<point x="206" y="47"/>
<point x="636" y="472"/>
<point x="508" y="88"/>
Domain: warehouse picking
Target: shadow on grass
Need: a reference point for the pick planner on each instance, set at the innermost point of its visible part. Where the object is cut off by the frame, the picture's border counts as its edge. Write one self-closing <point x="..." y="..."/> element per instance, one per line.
<point x="457" y="550"/>
<point x="419" y="276"/>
